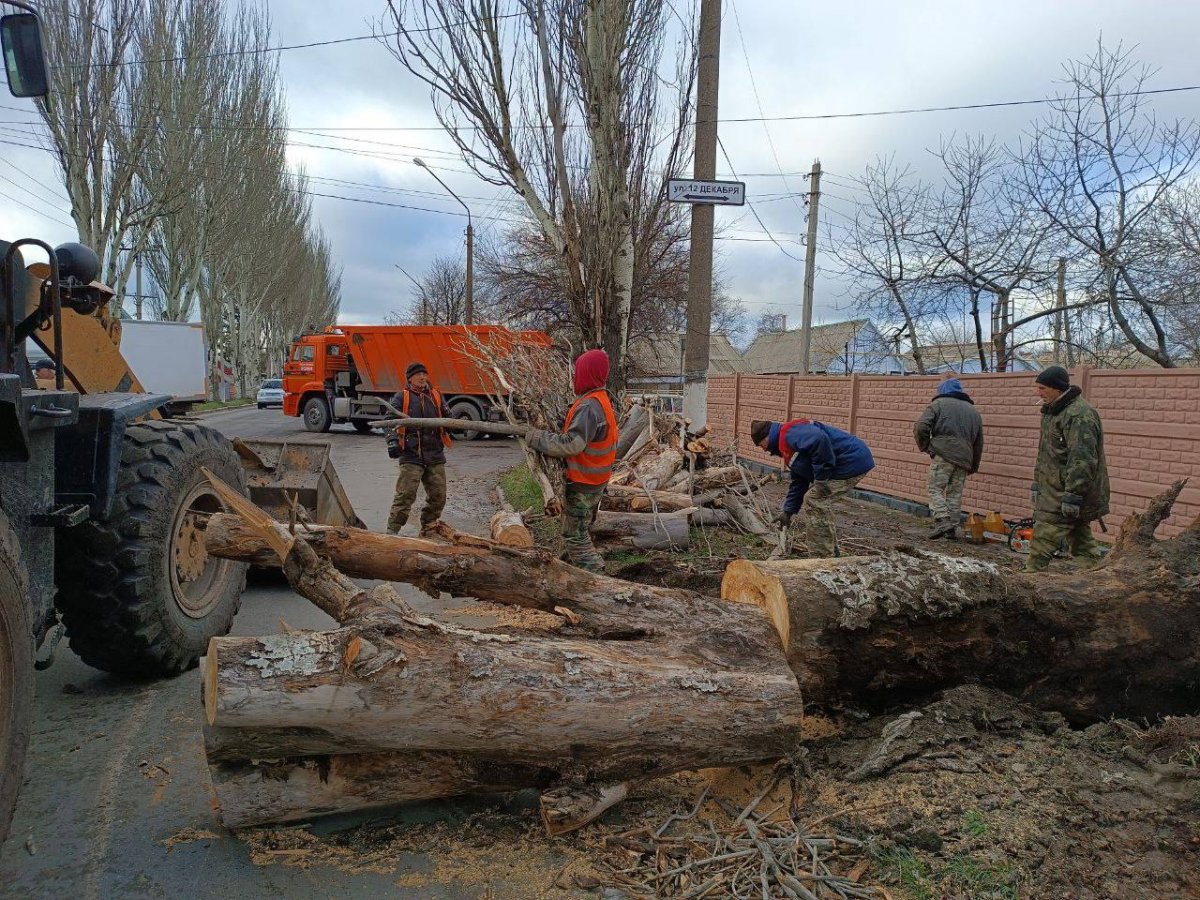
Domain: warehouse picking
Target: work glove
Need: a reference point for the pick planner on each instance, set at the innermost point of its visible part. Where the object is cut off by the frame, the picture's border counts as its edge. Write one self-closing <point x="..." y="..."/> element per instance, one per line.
<point x="1072" y="506"/>
<point x="537" y="439"/>
<point x="783" y="520"/>
<point x="820" y="490"/>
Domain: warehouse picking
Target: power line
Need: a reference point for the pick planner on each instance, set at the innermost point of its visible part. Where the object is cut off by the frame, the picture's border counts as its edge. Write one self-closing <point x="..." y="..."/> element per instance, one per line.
<point x="757" y="217"/>
<point x="256" y="51"/>
<point x="59" y="195"/>
<point x="737" y="19"/>
<point x="35" y="211"/>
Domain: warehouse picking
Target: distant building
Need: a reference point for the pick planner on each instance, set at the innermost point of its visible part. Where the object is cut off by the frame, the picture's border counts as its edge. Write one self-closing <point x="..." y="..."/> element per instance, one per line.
<point x="964" y="359"/>
<point x="656" y="362"/>
<point x="839" y="348"/>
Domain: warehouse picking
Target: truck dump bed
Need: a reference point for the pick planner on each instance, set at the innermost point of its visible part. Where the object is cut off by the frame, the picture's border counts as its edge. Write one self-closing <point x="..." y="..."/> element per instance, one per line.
<point x="383" y="352"/>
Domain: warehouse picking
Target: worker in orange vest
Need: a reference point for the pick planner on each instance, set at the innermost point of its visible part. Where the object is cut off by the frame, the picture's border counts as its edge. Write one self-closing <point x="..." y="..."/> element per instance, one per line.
<point x="589" y="445"/>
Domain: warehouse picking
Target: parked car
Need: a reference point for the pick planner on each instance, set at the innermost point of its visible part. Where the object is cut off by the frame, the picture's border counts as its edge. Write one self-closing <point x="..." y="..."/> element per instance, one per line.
<point x="271" y="393"/>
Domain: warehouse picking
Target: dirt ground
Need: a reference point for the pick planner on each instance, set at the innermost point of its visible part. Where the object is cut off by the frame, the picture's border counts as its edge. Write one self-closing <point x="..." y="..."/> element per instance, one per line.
<point x="969" y="795"/>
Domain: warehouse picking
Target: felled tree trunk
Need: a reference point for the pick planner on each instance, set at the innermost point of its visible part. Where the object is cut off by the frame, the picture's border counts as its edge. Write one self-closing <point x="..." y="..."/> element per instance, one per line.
<point x="607" y="608"/>
<point x="644" y="531"/>
<point x="1120" y="639"/>
<point x="576" y="716"/>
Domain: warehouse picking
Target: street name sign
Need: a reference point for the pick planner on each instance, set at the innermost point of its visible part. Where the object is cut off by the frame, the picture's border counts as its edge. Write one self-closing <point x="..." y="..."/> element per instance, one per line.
<point x="715" y="193"/>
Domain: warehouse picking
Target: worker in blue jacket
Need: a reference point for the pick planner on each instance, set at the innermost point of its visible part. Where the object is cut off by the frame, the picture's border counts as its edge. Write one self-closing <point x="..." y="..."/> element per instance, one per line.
<point x="825" y="463"/>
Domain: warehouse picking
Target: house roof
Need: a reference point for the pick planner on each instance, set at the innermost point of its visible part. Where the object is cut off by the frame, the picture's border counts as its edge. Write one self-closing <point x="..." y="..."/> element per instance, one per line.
<point x="662" y="355"/>
<point x="779" y="352"/>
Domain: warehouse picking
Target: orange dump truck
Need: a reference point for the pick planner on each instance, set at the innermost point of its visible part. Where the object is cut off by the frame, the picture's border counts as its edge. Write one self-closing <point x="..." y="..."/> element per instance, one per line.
<point x="343" y="373"/>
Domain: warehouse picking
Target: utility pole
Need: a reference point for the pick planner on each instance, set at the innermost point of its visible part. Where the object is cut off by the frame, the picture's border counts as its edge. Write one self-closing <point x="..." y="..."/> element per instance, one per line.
<point x="700" y="266"/>
<point x="1060" y="303"/>
<point x="810" y="265"/>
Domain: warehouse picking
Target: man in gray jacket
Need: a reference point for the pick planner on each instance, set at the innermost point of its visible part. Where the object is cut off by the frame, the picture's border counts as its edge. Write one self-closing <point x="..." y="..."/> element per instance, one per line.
<point x="951" y="432"/>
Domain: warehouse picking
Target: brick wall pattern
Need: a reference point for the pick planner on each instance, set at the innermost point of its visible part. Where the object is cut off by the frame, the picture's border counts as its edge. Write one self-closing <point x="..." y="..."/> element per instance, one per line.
<point x="1151" y="430"/>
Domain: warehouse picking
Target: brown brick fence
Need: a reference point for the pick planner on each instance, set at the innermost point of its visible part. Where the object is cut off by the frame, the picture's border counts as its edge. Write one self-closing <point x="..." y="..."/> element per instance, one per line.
<point x="1151" y="430"/>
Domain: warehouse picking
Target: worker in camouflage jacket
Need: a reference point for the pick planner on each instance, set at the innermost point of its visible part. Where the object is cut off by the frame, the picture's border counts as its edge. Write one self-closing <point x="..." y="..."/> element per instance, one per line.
<point x="951" y="432"/>
<point x="422" y="452"/>
<point x="588" y="444"/>
<point x="1070" y="488"/>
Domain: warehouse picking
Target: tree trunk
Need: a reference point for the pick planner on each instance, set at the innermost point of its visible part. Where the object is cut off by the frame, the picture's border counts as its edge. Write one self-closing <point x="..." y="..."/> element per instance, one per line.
<point x="644" y="531"/>
<point x="1113" y="641"/>
<point x="631" y="429"/>
<point x="608" y="608"/>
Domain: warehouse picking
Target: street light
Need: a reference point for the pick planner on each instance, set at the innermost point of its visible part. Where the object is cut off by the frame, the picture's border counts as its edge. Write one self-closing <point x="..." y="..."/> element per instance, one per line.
<point x="470" y="312"/>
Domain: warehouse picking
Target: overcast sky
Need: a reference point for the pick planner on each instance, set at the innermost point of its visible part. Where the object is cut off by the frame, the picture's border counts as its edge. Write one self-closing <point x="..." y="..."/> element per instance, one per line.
<point x="803" y="57"/>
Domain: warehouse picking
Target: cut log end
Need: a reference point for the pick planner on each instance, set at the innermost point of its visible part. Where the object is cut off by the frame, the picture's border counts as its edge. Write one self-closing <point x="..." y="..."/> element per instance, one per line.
<point x="743" y="582"/>
<point x="508" y="529"/>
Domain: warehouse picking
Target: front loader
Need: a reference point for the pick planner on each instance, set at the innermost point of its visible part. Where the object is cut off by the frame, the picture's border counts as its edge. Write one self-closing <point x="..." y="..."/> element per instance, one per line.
<point x="103" y="501"/>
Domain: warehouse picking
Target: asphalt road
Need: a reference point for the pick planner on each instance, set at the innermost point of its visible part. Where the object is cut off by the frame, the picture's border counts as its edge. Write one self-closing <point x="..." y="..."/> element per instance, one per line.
<point x="117" y="787"/>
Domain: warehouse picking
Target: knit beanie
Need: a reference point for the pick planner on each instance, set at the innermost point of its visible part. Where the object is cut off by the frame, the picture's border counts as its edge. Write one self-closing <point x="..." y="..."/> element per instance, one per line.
<point x="950" y="386"/>
<point x="759" y="429"/>
<point x="1054" y="377"/>
<point x="414" y="368"/>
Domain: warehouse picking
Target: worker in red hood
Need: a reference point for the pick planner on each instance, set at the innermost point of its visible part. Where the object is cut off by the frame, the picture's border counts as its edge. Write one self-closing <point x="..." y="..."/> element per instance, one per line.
<point x="589" y="445"/>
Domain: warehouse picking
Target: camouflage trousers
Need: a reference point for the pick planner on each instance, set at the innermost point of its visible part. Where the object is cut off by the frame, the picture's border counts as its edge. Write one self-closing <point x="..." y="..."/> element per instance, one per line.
<point x="410" y="478"/>
<point x="580" y="505"/>
<point x="946" y="482"/>
<point x="818" y="515"/>
<point x="1048" y="537"/>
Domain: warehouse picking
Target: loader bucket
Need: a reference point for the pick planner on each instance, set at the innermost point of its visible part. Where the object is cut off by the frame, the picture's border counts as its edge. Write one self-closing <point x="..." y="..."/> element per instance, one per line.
<point x="278" y="471"/>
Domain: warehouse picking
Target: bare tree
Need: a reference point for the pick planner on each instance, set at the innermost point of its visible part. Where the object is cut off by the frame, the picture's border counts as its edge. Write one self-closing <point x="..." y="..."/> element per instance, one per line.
<point x="1097" y="166"/>
<point x="886" y="249"/>
<point x="560" y="101"/>
<point x="990" y="244"/>
<point x="440" y="296"/>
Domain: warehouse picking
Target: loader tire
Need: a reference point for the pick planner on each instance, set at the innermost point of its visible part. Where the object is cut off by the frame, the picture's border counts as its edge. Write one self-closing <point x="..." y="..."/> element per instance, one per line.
<point x="16" y="673"/>
<point x="138" y="593"/>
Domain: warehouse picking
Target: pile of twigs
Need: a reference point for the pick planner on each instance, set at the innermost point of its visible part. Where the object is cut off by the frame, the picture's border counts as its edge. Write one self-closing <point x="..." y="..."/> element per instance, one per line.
<point x="748" y="855"/>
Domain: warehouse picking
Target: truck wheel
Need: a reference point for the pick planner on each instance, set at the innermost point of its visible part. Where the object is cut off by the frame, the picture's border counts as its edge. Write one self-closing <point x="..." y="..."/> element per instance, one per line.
<point x="16" y="673"/>
<point x="316" y="414"/>
<point x="362" y="426"/>
<point x="465" y="409"/>
<point x="138" y="593"/>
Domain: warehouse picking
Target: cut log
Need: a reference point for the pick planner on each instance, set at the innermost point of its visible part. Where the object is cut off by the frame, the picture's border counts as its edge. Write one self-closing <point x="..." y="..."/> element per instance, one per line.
<point x="619" y="498"/>
<point x="1119" y="640"/>
<point x="644" y="531"/>
<point x="658" y="468"/>
<point x="284" y="790"/>
<point x="508" y="528"/>
<point x="632" y="428"/>
<point x="745" y="517"/>
<point x="722" y="476"/>
<point x="710" y="518"/>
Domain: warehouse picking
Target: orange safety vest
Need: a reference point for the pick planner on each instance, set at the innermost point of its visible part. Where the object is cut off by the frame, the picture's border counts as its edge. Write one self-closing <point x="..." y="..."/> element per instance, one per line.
<point x="437" y="401"/>
<point x="784" y="450"/>
<point x="593" y="464"/>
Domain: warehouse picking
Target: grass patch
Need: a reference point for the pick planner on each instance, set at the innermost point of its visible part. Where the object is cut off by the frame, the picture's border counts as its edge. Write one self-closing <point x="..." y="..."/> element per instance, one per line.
<point x="959" y="876"/>
<point x="222" y="404"/>
<point x="619" y="559"/>
<point x="974" y="824"/>
<point x="908" y="871"/>
<point x="521" y="489"/>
